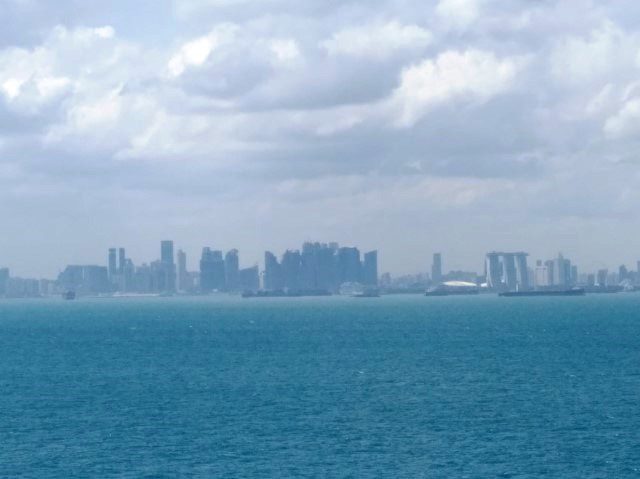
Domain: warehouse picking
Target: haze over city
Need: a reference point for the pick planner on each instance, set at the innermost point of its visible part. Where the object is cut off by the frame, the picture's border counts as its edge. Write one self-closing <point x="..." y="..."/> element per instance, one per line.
<point x="452" y="126"/>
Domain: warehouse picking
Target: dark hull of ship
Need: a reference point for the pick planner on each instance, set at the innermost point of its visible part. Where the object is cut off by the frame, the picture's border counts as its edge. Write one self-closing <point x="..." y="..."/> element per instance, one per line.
<point x="517" y="294"/>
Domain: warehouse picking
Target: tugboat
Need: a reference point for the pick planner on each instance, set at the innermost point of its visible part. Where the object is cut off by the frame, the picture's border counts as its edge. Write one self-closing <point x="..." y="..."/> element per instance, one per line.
<point x="69" y="295"/>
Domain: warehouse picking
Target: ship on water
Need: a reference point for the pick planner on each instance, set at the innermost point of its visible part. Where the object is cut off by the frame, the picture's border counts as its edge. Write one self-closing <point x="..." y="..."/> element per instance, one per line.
<point x="551" y="292"/>
<point x="457" y="288"/>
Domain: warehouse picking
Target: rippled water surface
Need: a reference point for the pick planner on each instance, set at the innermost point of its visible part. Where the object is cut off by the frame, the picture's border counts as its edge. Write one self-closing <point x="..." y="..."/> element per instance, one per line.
<point x="324" y="387"/>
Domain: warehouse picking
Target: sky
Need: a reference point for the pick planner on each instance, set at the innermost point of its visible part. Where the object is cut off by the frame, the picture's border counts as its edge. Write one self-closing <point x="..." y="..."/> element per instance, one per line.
<point x="458" y="126"/>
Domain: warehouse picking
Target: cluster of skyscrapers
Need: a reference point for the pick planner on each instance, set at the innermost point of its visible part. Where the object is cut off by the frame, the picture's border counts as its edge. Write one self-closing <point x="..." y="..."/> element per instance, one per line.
<point x="316" y="267"/>
<point x="320" y="267"/>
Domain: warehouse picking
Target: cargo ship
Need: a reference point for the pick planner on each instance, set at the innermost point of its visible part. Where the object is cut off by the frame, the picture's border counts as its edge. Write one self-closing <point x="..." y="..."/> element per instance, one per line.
<point x="453" y="288"/>
<point x="564" y="292"/>
<point x="286" y="294"/>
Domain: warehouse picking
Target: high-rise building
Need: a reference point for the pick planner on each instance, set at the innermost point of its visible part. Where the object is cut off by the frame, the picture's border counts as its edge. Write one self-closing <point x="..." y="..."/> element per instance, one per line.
<point x="623" y="273"/>
<point x="550" y="265"/>
<point x="436" y="268"/>
<point x="370" y="268"/>
<point x="493" y="268"/>
<point x="212" y="274"/>
<point x="85" y="279"/>
<point x="327" y="268"/>
<point x="349" y="265"/>
<point x="541" y="275"/>
<point x="507" y="271"/>
<point x="167" y="278"/>
<point x="273" y="277"/>
<point x="560" y="271"/>
<point x="183" y="275"/>
<point x="232" y="270"/>
<point x="122" y="261"/>
<point x="249" y="279"/>
<point x="290" y="268"/>
<point x="602" y="277"/>
<point x="113" y="267"/>
<point x="523" y="271"/>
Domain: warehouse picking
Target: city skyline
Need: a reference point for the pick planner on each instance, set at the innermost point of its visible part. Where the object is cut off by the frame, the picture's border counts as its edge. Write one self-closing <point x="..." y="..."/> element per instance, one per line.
<point x="314" y="268"/>
<point x="421" y="264"/>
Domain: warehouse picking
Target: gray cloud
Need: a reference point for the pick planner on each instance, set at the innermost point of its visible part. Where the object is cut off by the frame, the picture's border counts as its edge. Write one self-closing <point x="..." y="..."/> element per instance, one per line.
<point x="264" y="123"/>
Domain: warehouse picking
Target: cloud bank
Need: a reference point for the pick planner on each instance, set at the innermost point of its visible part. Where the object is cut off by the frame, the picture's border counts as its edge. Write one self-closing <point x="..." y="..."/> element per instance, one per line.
<point x="456" y="126"/>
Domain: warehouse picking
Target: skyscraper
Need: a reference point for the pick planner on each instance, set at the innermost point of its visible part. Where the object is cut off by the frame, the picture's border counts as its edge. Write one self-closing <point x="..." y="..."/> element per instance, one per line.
<point x="509" y="271"/>
<point x="272" y="272"/>
<point x="290" y="268"/>
<point x="113" y="268"/>
<point x="349" y="265"/>
<point x="182" y="271"/>
<point x="523" y="271"/>
<point x="167" y="281"/>
<point x="436" y="268"/>
<point x="232" y="270"/>
<point x="212" y="274"/>
<point x="249" y="279"/>
<point x="493" y="268"/>
<point x="370" y="269"/>
<point x="559" y="271"/>
<point x="166" y="252"/>
<point x="121" y="261"/>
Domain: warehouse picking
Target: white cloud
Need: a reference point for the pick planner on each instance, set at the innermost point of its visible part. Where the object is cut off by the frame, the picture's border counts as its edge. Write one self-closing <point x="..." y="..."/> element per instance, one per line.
<point x="285" y="50"/>
<point x="625" y="122"/>
<point x="195" y="53"/>
<point x="458" y="14"/>
<point x="377" y="41"/>
<point x="473" y="75"/>
<point x="606" y="53"/>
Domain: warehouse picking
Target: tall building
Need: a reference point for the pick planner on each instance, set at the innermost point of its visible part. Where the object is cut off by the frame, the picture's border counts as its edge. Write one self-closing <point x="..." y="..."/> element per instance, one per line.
<point x="212" y="274"/>
<point x="559" y="274"/>
<point x="249" y="279"/>
<point x="507" y="271"/>
<point x="122" y="261"/>
<point x="436" y="268"/>
<point x="370" y="269"/>
<point x="523" y="271"/>
<point x="85" y="279"/>
<point x="541" y="275"/>
<point x="290" y="267"/>
<point x="550" y="265"/>
<point x="574" y="275"/>
<point x="349" y="265"/>
<point x="273" y="277"/>
<point x="113" y="267"/>
<point x="623" y="273"/>
<point x="183" y="275"/>
<point x="493" y="269"/>
<point x="232" y="270"/>
<point x="327" y="268"/>
<point x="602" y="277"/>
<point x="167" y="279"/>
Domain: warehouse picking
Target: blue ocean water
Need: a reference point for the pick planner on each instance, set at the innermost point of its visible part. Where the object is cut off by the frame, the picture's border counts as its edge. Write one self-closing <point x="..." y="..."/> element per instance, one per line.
<point x="467" y="387"/>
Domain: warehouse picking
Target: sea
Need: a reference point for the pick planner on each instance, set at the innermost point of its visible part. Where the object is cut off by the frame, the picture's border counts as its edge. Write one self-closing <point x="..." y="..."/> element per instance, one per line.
<point x="335" y="387"/>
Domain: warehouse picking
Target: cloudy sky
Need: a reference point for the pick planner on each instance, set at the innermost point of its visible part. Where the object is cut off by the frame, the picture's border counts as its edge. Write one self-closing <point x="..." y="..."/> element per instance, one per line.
<point x="411" y="126"/>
